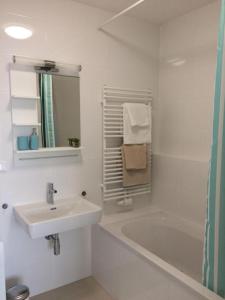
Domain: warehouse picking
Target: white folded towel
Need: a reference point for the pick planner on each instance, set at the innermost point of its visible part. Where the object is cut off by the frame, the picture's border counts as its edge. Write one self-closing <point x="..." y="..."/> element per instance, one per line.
<point x="138" y="114"/>
<point x="136" y="123"/>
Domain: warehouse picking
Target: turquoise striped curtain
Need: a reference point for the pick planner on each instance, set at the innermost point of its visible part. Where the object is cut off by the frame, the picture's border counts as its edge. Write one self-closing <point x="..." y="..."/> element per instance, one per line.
<point x="214" y="251"/>
<point x="47" y="117"/>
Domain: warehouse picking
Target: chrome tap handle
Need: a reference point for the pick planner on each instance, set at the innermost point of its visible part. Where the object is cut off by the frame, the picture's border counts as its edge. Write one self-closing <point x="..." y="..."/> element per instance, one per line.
<point x="50" y="192"/>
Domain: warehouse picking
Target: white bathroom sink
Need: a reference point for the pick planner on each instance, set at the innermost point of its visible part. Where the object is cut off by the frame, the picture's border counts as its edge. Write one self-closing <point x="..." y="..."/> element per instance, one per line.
<point x="41" y="219"/>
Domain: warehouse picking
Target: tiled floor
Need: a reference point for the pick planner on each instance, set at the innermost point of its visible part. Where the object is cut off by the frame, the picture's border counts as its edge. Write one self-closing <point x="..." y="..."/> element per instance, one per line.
<point x="86" y="289"/>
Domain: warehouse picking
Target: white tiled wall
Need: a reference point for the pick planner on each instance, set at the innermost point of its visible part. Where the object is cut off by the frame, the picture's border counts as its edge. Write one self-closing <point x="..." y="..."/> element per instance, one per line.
<point x="124" y="55"/>
<point x="180" y="186"/>
<point x="183" y="118"/>
<point x="2" y="273"/>
<point x="186" y="91"/>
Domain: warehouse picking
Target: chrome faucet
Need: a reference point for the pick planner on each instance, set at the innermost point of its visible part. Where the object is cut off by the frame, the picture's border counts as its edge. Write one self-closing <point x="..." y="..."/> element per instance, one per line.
<point x="50" y="193"/>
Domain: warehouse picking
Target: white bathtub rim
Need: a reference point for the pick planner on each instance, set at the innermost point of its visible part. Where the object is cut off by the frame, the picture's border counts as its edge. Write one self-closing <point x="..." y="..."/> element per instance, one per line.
<point x="129" y="215"/>
<point x="169" y="269"/>
<point x="134" y="215"/>
<point x="170" y="221"/>
<point x="158" y="262"/>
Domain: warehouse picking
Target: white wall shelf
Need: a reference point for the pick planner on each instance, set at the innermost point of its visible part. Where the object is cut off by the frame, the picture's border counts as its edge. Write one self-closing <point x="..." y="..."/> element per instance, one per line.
<point x="26" y="124"/>
<point x="24" y="97"/>
<point x="44" y="153"/>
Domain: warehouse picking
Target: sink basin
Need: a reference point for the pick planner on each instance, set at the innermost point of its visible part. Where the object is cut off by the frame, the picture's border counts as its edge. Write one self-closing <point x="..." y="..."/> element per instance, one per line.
<point x="41" y="219"/>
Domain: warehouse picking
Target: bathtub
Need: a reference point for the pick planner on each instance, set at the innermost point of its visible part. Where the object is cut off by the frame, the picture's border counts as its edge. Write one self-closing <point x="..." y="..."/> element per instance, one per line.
<point x="170" y="239"/>
<point x="150" y="255"/>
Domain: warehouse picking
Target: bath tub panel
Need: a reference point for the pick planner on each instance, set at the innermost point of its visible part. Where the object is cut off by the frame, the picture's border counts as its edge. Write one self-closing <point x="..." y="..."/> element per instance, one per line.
<point x="126" y="275"/>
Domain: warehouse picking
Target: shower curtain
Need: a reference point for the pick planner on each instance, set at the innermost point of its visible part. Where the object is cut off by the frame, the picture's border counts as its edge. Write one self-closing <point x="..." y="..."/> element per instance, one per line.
<point x="47" y="117"/>
<point x="214" y="251"/>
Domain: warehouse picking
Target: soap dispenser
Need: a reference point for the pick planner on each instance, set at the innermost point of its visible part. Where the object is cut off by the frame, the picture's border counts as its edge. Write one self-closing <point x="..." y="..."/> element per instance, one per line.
<point x="34" y="140"/>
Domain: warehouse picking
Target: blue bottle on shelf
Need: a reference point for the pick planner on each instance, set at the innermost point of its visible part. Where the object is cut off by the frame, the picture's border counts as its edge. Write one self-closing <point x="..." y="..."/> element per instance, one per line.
<point x="23" y="143"/>
<point x="34" y="140"/>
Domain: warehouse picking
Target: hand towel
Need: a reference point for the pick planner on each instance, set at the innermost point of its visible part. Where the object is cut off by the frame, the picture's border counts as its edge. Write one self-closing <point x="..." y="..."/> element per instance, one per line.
<point x="138" y="114"/>
<point x="134" y="177"/>
<point x="136" y="134"/>
<point x="135" y="156"/>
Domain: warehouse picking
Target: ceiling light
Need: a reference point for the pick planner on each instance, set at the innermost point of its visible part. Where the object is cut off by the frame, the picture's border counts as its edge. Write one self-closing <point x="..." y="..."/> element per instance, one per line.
<point x="18" y="32"/>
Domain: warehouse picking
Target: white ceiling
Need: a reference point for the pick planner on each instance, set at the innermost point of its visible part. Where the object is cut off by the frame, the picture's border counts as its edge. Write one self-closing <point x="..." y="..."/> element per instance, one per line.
<point x="154" y="11"/>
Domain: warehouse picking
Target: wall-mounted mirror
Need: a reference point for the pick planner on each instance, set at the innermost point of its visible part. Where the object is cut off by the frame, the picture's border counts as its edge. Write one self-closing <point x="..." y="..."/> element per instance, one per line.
<point x="59" y="110"/>
<point x="45" y="108"/>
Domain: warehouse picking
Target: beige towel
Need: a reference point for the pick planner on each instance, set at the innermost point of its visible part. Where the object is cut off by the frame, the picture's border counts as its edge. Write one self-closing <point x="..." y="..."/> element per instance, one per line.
<point x="135" y="156"/>
<point x="134" y="177"/>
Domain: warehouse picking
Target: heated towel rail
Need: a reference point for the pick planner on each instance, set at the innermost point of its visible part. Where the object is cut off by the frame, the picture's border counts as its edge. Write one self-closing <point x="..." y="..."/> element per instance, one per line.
<point x="113" y="99"/>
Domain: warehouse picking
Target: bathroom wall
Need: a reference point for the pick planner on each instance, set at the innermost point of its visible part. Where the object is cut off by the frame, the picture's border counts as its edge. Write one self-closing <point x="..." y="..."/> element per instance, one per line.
<point x="125" y="55"/>
<point x="183" y="118"/>
<point x="2" y="272"/>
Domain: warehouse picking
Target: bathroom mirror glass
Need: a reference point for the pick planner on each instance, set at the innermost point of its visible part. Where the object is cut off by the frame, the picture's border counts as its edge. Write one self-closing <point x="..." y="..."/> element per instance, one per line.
<point x="59" y="110"/>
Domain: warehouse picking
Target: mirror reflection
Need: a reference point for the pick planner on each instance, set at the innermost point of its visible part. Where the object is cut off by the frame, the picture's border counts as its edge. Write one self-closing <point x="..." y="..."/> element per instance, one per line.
<point x="59" y="110"/>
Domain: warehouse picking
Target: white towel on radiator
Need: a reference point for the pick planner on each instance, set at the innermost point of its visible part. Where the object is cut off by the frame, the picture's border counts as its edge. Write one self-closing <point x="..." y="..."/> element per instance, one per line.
<point x="136" y="123"/>
<point x="138" y="114"/>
